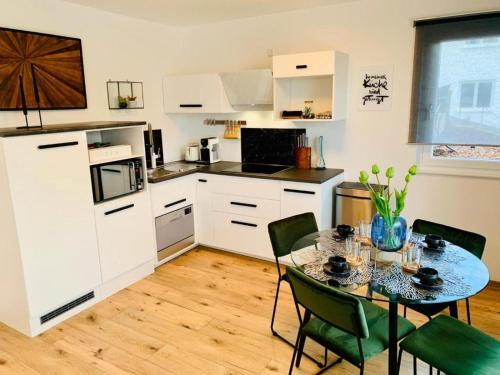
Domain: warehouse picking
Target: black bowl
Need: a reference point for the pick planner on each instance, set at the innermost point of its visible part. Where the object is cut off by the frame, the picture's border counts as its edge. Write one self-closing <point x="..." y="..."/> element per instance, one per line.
<point x="434" y="241"/>
<point x="345" y="230"/>
<point x="338" y="263"/>
<point x="427" y="275"/>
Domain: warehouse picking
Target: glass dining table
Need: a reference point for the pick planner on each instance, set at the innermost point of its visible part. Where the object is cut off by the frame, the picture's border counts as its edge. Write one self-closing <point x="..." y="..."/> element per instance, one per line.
<point x="463" y="275"/>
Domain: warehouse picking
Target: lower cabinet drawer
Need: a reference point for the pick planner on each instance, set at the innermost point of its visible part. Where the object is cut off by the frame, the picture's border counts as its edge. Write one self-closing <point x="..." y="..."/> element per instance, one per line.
<point x="243" y="234"/>
<point x="170" y="195"/>
<point x="247" y="206"/>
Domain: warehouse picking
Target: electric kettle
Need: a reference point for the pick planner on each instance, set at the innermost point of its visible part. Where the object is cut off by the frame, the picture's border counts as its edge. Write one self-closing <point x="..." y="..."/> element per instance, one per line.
<point x="192" y="152"/>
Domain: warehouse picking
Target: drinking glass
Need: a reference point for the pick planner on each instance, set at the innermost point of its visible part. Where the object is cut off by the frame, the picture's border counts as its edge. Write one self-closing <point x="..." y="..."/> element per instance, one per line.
<point x="411" y="257"/>
<point x="365" y="228"/>
<point x="353" y="251"/>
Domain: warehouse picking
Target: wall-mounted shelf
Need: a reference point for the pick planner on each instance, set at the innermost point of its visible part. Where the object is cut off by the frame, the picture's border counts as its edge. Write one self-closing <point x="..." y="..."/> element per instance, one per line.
<point x="320" y="77"/>
<point x="125" y="95"/>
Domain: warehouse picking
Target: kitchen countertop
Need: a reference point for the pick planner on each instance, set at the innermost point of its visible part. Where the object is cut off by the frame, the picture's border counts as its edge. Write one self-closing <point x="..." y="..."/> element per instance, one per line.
<point x="312" y="176"/>
<point x="70" y="127"/>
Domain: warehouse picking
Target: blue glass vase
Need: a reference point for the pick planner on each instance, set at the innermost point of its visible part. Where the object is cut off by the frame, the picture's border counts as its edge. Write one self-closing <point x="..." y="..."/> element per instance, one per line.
<point x="388" y="237"/>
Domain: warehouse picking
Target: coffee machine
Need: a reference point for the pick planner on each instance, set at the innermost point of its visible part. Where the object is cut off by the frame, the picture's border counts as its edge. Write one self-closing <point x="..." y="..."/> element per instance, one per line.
<point x="209" y="151"/>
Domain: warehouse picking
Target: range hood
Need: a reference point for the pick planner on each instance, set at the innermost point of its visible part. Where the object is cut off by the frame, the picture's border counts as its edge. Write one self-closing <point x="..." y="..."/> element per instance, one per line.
<point x="250" y="90"/>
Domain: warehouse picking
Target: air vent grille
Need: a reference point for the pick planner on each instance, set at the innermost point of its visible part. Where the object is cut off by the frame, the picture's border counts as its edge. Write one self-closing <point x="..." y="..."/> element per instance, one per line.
<point x="61" y="310"/>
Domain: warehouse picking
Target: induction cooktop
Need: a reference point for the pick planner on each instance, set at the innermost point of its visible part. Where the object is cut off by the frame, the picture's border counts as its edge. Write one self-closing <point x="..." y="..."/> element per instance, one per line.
<point x="257" y="168"/>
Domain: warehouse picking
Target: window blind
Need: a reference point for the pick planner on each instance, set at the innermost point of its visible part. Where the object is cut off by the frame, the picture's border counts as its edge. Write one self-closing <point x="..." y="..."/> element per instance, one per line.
<point x="456" y="81"/>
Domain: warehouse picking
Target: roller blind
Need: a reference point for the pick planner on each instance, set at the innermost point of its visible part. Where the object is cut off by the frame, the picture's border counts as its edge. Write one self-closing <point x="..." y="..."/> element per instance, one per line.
<point x="456" y="81"/>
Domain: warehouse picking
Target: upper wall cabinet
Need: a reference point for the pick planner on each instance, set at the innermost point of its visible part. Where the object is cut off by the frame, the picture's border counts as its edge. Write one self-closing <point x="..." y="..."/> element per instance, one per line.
<point x="317" y="80"/>
<point x="202" y="93"/>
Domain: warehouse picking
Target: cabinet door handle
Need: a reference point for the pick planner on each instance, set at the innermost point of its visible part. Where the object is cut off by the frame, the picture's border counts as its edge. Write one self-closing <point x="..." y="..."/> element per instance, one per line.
<point x="301" y="66"/>
<point x="202" y="180"/>
<point x="56" y="145"/>
<point x="300" y="191"/>
<point x="243" y="223"/>
<point x="190" y="105"/>
<point x="174" y="203"/>
<point x="119" y="209"/>
<point x="244" y="204"/>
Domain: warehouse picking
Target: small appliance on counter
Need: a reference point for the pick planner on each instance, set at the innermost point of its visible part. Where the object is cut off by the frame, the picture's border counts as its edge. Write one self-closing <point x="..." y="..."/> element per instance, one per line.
<point x="209" y="151"/>
<point x="116" y="179"/>
<point x="192" y="152"/>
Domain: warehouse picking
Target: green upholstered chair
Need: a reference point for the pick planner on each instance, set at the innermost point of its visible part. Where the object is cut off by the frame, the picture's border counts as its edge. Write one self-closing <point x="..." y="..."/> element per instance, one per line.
<point x="354" y="329"/>
<point x="453" y="347"/>
<point x="283" y="234"/>
<point x="472" y="242"/>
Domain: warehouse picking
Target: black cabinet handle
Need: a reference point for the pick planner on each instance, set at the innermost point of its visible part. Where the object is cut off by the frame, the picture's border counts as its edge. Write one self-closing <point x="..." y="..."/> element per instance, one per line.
<point x="300" y="191"/>
<point x="174" y="203"/>
<point x="300" y="66"/>
<point x="244" y="204"/>
<point x="190" y="105"/>
<point x="119" y="209"/>
<point x="202" y="180"/>
<point x="243" y="223"/>
<point x="56" y="145"/>
<point x="110" y="170"/>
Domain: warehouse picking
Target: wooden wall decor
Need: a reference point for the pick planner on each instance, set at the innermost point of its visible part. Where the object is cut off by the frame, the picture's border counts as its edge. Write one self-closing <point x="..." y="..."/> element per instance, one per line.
<point x="57" y="64"/>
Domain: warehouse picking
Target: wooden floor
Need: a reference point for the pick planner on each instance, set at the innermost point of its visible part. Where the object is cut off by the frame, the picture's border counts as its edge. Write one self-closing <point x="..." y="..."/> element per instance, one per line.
<point x="207" y="312"/>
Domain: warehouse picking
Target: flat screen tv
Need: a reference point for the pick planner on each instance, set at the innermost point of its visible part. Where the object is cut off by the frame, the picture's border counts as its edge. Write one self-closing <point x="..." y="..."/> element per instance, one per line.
<point x="55" y="61"/>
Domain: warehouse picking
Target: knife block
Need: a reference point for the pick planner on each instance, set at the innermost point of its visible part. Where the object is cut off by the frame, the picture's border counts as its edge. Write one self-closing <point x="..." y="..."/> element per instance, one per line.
<point x="303" y="157"/>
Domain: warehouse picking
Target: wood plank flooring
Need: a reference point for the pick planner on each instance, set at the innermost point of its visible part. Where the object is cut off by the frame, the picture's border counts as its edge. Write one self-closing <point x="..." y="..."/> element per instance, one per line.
<point x="207" y="312"/>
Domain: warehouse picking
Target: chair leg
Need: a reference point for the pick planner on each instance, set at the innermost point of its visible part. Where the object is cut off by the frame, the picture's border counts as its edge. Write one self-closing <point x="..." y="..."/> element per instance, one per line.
<point x="299" y="334"/>
<point x="414" y="365"/>
<point x="300" y="350"/>
<point x="326" y="356"/>
<point x="399" y="359"/>
<point x="468" y="311"/>
<point x="275" y="307"/>
<point x="362" y="370"/>
<point x="430" y="370"/>
<point x="404" y="312"/>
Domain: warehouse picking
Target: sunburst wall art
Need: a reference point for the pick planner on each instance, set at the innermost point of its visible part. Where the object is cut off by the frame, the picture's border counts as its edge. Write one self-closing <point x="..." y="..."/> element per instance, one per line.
<point x="56" y="62"/>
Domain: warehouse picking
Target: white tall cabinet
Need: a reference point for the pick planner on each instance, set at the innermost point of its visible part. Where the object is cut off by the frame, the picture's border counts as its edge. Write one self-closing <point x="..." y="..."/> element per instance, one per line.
<point x="55" y="258"/>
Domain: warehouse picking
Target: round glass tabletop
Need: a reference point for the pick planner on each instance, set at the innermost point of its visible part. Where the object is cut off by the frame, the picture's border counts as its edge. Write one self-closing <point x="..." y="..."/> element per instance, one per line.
<point x="461" y="273"/>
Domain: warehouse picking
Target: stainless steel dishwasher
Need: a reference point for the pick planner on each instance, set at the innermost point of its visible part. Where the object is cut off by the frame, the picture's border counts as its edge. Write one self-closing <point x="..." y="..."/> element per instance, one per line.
<point x="174" y="231"/>
<point x="353" y="203"/>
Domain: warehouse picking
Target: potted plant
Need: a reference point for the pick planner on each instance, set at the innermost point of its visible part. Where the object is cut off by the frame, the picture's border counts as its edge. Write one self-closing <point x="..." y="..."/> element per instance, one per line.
<point x="388" y="226"/>
<point x="122" y="102"/>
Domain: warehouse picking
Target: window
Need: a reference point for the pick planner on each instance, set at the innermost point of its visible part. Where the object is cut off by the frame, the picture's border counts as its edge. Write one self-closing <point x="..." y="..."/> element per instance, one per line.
<point x="455" y="109"/>
<point x="475" y="95"/>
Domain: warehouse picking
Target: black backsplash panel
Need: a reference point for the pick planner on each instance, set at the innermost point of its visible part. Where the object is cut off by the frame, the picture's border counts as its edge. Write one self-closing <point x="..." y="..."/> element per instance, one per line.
<point x="269" y="146"/>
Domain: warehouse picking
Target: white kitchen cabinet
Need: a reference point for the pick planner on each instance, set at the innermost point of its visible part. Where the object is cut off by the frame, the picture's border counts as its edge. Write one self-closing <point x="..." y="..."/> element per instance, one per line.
<point x="304" y="64"/>
<point x="201" y="93"/>
<point x="52" y="211"/>
<point x="297" y="198"/>
<point x="320" y="77"/>
<point x="170" y="195"/>
<point x="203" y="209"/>
<point x="247" y="206"/>
<point x="242" y="234"/>
<point x="125" y="234"/>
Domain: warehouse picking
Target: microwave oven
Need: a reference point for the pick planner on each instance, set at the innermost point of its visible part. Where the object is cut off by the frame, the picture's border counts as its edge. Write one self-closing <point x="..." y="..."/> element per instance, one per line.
<point x="115" y="179"/>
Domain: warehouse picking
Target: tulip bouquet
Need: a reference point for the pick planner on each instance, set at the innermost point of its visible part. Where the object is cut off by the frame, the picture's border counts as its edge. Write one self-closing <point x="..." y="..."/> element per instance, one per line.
<point x="383" y="198"/>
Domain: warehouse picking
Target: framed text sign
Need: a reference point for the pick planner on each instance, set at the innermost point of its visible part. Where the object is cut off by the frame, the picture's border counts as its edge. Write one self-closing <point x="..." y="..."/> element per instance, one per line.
<point x="375" y="87"/>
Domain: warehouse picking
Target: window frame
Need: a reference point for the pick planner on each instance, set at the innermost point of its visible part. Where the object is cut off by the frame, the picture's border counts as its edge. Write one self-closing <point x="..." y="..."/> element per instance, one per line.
<point x="455" y="167"/>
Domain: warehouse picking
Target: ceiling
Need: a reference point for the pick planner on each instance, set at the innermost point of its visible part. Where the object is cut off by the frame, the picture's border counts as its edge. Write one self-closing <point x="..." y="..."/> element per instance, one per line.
<point x="185" y="13"/>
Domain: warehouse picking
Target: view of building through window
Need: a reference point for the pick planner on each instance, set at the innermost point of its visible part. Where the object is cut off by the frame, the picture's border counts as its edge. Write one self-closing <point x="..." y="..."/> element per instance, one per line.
<point x="466" y="152"/>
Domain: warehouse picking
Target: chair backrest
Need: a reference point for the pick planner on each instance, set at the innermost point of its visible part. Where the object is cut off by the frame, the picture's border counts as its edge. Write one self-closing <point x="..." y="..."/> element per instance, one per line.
<point x="472" y="242"/>
<point x="285" y="232"/>
<point x="339" y="309"/>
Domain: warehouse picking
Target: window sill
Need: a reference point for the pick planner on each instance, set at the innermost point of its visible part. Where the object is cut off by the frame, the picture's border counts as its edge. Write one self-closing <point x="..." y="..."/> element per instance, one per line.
<point x="462" y="172"/>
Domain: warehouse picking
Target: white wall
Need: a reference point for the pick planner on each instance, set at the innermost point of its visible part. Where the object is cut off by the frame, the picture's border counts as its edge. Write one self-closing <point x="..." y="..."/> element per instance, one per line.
<point x="372" y="33"/>
<point x="114" y="47"/>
